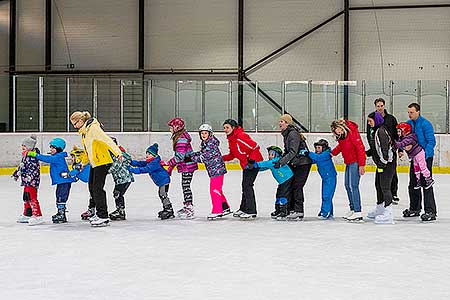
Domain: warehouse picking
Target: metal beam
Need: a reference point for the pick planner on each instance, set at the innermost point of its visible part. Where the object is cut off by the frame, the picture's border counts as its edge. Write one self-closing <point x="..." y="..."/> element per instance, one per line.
<point x="275" y="52"/>
<point x="241" y="71"/>
<point x="141" y="42"/>
<point x="272" y="102"/>
<point x="146" y="72"/>
<point x="48" y="35"/>
<point x="400" y="6"/>
<point x="346" y="53"/>
<point x="12" y="60"/>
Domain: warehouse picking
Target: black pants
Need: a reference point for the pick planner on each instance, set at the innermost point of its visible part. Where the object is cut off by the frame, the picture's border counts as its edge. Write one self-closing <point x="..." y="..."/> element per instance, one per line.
<point x="394" y="183"/>
<point x="119" y="192"/>
<point x="415" y="196"/>
<point x="383" y="184"/>
<point x="297" y="198"/>
<point x="97" y="179"/>
<point x="283" y="192"/>
<point x="248" y="201"/>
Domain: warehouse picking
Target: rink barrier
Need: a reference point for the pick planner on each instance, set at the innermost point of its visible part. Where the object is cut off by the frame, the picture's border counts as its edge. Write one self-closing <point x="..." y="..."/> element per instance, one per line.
<point x="339" y="168"/>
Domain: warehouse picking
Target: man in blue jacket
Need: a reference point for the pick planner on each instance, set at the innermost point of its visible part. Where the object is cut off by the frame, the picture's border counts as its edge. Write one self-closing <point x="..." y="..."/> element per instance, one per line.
<point x="425" y="135"/>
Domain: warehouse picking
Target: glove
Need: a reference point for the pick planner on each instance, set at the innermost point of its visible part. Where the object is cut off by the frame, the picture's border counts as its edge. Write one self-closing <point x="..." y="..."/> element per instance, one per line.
<point x="277" y="165"/>
<point x="169" y="170"/>
<point x="15" y="175"/>
<point x="303" y="152"/>
<point x="250" y="164"/>
<point x="368" y="153"/>
<point x="65" y="175"/>
<point x="31" y="153"/>
<point x="187" y="158"/>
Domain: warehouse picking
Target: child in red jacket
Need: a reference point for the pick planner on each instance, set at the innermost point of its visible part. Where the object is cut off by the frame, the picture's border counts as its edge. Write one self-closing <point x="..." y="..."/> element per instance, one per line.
<point x="245" y="150"/>
<point x="352" y="148"/>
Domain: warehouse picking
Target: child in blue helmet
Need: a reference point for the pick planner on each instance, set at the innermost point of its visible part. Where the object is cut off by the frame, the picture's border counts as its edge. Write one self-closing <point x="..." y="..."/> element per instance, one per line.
<point x="283" y="175"/>
<point x="59" y="174"/>
<point x="152" y="166"/>
<point x="327" y="171"/>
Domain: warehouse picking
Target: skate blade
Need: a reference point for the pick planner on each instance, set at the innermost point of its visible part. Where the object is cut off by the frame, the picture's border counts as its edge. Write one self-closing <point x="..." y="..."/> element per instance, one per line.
<point x="171" y="217"/>
<point x="185" y="217"/>
<point x="355" y="221"/>
<point x="34" y="224"/>
<point x="213" y="218"/>
<point x="384" y="223"/>
<point x="294" y="220"/>
<point x="100" y="225"/>
<point x="226" y="214"/>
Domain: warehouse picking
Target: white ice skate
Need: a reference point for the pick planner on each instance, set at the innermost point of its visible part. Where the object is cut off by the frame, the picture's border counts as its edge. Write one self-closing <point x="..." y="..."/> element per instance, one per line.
<point x="35" y="220"/>
<point x="295" y="216"/>
<point x="99" y="222"/>
<point x="378" y="210"/>
<point x="348" y="214"/>
<point x="356" y="217"/>
<point x="227" y="212"/>
<point x="386" y="218"/>
<point x="186" y="212"/>
<point x="213" y="216"/>
<point x="238" y="213"/>
<point x="23" y="219"/>
<point x="246" y="216"/>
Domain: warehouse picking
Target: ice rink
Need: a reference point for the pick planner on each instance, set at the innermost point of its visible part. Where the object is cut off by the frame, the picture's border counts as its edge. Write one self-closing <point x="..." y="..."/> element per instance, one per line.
<point x="145" y="258"/>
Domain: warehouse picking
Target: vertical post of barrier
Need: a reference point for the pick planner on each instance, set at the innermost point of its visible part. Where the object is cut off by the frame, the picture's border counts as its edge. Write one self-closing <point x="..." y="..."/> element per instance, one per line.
<point x="363" y="105"/>
<point x="94" y="96"/>
<point x="41" y="103"/>
<point x="203" y="101"/>
<point x="177" y="98"/>
<point x="309" y="105"/>
<point x="391" y="96"/>
<point x="447" y="103"/>
<point x="419" y="92"/>
<point x="256" y="106"/>
<point x="68" y="102"/>
<point x="283" y="97"/>
<point x="230" y="99"/>
<point x="149" y="105"/>
<point x="336" y="100"/>
<point x="121" y="105"/>
<point x="14" y="99"/>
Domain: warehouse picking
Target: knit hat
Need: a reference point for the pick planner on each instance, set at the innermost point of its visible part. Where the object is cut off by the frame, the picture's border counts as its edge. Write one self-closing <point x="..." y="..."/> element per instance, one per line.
<point x="29" y="142"/>
<point x="287" y="118"/>
<point x="153" y="149"/>
<point x="377" y="117"/>
<point x="177" y="124"/>
<point x="231" y="122"/>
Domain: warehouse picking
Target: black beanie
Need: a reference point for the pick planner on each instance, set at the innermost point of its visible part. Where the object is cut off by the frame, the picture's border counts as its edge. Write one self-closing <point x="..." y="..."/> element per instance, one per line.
<point x="230" y="122"/>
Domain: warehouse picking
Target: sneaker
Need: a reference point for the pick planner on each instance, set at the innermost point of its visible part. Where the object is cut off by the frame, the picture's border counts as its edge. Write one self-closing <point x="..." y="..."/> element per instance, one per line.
<point x="428" y="183"/>
<point x="35" y="220"/>
<point x="118" y="214"/>
<point x="88" y="214"/>
<point x="226" y="212"/>
<point x="410" y="213"/>
<point x="386" y="217"/>
<point x="187" y="212"/>
<point x="348" y="214"/>
<point x="427" y="217"/>
<point x="238" y="213"/>
<point x="395" y="200"/>
<point x="295" y="216"/>
<point x="23" y="219"/>
<point x="99" y="222"/>
<point x="213" y="216"/>
<point x="356" y="217"/>
<point x="246" y="216"/>
<point x="378" y="210"/>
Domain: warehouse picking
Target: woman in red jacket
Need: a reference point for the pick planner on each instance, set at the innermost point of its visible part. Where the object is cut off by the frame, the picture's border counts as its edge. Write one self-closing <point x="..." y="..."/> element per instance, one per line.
<point x="352" y="148"/>
<point x="244" y="149"/>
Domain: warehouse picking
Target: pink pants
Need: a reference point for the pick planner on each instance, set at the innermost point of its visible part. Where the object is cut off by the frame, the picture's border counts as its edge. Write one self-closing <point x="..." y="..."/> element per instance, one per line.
<point x="420" y="166"/>
<point x="217" y="197"/>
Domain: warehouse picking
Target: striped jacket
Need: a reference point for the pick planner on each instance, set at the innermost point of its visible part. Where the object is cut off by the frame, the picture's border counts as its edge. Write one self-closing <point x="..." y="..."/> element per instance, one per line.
<point x="183" y="147"/>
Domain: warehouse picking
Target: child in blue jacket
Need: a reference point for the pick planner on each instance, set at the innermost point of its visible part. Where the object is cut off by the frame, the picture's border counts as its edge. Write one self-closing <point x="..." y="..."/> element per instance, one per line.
<point x="58" y="174"/>
<point x="152" y="166"/>
<point x="283" y="175"/>
<point x="327" y="171"/>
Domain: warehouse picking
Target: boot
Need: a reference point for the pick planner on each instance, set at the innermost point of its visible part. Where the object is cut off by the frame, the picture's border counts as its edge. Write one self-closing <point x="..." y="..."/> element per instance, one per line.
<point x="166" y="213"/>
<point x="187" y="212"/>
<point x="118" y="214"/>
<point x="427" y="217"/>
<point x="410" y="213"/>
<point x="275" y="214"/>
<point x="379" y="210"/>
<point x="283" y="212"/>
<point x="386" y="217"/>
<point x="60" y="216"/>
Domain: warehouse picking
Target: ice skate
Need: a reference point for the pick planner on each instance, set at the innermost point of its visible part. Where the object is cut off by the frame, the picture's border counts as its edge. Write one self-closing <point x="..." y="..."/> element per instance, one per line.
<point x="99" y="222"/>
<point x="166" y="213"/>
<point x="410" y="213"/>
<point x="348" y="214"/>
<point x="428" y="217"/>
<point x="35" y="220"/>
<point x="378" y="210"/>
<point x="325" y="217"/>
<point x="386" y="217"/>
<point x="275" y="213"/>
<point x="283" y="213"/>
<point x="238" y="213"/>
<point x="88" y="214"/>
<point x="213" y="216"/>
<point x="246" y="216"/>
<point x="295" y="216"/>
<point x="356" y="217"/>
<point x="23" y="219"/>
<point x="226" y="212"/>
<point x="187" y="212"/>
<point x="418" y="185"/>
<point x="118" y="214"/>
<point x="60" y="216"/>
<point x="428" y="183"/>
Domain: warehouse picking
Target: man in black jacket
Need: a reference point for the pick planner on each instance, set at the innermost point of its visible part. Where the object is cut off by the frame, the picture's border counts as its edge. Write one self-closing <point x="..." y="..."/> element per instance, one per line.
<point x="390" y="123"/>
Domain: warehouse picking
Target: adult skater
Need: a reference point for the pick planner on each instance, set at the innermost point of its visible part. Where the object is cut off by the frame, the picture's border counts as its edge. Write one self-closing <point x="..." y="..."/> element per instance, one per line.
<point x="99" y="148"/>
<point x="242" y="147"/>
<point x="425" y="136"/>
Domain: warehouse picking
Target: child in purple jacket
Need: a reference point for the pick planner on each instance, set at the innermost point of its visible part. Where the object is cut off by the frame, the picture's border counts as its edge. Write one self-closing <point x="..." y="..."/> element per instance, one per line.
<point x="182" y="146"/>
<point x="408" y="142"/>
<point x="211" y="156"/>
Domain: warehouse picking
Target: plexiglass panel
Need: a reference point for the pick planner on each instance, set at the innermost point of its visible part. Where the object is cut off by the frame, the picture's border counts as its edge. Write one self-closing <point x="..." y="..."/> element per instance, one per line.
<point x="190" y="103"/>
<point x="27" y="104"/>
<point x="297" y="101"/>
<point x="323" y="108"/>
<point x="217" y="103"/>
<point x="55" y="104"/>
<point x="269" y="105"/>
<point x="405" y="92"/>
<point x="163" y="104"/>
<point x="434" y="104"/>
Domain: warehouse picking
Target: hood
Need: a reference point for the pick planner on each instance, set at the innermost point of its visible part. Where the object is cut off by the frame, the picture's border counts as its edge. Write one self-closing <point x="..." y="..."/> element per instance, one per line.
<point x="233" y="135"/>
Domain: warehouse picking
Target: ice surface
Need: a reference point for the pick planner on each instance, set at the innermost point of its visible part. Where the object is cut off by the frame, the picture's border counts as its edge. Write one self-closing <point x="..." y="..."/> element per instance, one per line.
<point x="145" y="258"/>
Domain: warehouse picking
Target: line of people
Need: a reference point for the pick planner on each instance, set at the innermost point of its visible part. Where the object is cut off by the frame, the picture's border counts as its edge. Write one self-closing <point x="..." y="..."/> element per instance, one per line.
<point x="290" y="167"/>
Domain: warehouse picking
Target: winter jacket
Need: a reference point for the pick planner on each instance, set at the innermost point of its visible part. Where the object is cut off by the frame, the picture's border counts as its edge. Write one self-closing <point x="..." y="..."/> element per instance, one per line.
<point x="212" y="158"/>
<point x="98" y="146"/>
<point x="410" y="139"/>
<point x="293" y="144"/>
<point x="29" y="171"/>
<point x="58" y="167"/>
<point x="381" y="148"/>
<point x="325" y="164"/>
<point x="242" y="147"/>
<point x="425" y="135"/>
<point x="390" y="124"/>
<point x="182" y="148"/>
<point x="153" y="167"/>
<point x="80" y="172"/>
<point x="119" y="169"/>
<point x="281" y="174"/>
<point x="351" y="146"/>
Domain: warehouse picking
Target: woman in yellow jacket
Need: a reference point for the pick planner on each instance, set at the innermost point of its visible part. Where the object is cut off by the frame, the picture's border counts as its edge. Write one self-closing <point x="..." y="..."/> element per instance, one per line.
<point x="100" y="148"/>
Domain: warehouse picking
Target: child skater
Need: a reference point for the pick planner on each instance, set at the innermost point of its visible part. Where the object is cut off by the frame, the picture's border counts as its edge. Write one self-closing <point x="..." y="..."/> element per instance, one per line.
<point x="80" y="165"/>
<point x="352" y="148"/>
<point x="122" y="179"/>
<point x="327" y="171"/>
<point x="30" y="175"/>
<point x="181" y="141"/>
<point x="58" y="173"/>
<point x="283" y="175"/>
<point x="415" y="153"/>
<point x="152" y="166"/>
<point x="211" y="156"/>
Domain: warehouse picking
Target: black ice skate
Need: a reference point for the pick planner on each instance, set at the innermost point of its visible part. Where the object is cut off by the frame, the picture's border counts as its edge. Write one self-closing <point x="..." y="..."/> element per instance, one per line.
<point x="118" y="214"/>
<point x="275" y="213"/>
<point x="428" y="183"/>
<point x="411" y="213"/>
<point x="427" y="217"/>
<point x="282" y="216"/>
<point x="60" y="216"/>
<point x="166" y="213"/>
